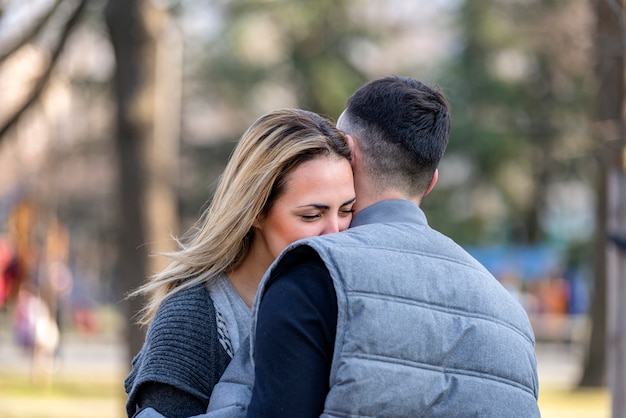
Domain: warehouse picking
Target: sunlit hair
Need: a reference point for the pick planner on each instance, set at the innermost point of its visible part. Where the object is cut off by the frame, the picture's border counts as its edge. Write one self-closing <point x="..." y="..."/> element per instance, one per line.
<point x="252" y="181"/>
<point x="403" y="128"/>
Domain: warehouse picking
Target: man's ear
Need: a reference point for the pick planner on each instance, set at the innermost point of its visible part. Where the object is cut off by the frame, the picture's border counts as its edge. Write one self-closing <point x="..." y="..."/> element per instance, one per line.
<point x="354" y="148"/>
<point x="350" y="141"/>
<point x="433" y="181"/>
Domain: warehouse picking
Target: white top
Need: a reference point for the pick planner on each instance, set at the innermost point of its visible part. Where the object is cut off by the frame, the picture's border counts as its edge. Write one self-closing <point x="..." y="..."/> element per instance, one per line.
<point x="233" y="315"/>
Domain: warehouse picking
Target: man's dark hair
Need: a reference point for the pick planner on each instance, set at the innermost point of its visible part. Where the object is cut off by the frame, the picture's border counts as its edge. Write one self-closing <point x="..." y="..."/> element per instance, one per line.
<point x="403" y="127"/>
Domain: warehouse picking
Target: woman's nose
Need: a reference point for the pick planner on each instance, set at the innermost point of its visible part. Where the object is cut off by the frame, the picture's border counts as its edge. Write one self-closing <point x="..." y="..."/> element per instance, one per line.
<point x="331" y="226"/>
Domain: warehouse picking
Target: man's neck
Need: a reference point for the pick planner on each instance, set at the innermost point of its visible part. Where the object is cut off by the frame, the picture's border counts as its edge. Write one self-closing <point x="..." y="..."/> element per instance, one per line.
<point x="365" y="198"/>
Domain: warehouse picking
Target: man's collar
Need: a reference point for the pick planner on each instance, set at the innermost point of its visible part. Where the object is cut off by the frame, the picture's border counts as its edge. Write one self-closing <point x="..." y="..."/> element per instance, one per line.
<point x="387" y="211"/>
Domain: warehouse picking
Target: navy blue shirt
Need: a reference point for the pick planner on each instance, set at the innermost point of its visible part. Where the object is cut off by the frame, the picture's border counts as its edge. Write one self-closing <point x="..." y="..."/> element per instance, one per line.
<point x="292" y="362"/>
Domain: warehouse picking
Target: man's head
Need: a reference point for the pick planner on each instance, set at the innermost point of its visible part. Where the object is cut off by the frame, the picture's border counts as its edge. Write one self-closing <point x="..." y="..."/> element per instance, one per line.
<point x="400" y="128"/>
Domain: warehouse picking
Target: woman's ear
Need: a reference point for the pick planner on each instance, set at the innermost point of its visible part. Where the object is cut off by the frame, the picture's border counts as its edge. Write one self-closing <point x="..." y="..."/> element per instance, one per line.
<point x="257" y="222"/>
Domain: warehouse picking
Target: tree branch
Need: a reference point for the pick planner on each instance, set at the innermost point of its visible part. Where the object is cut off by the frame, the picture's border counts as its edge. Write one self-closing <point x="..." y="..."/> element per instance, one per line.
<point x="30" y="34"/>
<point x="43" y="80"/>
<point x="617" y="8"/>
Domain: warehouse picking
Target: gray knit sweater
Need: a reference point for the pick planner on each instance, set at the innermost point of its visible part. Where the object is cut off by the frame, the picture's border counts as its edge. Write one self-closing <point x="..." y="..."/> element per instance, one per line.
<point x="182" y="348"/>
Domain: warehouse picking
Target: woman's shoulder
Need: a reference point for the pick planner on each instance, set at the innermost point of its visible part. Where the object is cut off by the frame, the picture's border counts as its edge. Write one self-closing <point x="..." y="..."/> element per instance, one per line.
<point x="181" y="348"/>
<point x="182" y="342"/>
<point x="190" y="305"/>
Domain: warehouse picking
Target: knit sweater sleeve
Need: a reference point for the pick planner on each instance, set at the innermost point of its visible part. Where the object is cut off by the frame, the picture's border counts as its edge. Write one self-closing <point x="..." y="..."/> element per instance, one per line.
<point x="181" y="349"/>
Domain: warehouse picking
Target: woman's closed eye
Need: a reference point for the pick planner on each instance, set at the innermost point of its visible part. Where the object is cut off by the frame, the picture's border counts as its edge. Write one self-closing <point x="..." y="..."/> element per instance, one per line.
<point x="311" y="217"/>
<point x="346" y="212"/>
<point x="346" y="208"/>
<point x="317" y="211"/>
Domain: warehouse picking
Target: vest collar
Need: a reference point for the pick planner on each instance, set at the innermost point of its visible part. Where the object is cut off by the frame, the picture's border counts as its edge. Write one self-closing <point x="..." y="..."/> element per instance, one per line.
<point x="387" y="211"/>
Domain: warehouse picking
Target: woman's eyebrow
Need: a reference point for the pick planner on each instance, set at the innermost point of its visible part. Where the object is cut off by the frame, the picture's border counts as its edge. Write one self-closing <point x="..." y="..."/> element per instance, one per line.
<point x="326" y="207"/>
<point x="314" y="205"/>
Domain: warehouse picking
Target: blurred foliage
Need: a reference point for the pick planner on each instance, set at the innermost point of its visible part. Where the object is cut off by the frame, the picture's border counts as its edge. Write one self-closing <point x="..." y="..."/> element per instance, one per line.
<point x="517" y="79"/>
<point x="520" y="101"/>
<point x="265" y="55"/>
<point x="520" y="164"/>
<point x="518" y="83"/>
<point x="275" y="53"/>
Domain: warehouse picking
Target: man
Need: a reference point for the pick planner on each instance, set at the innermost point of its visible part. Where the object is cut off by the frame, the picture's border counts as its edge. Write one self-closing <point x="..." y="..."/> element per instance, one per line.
<point x="390" y="318"/>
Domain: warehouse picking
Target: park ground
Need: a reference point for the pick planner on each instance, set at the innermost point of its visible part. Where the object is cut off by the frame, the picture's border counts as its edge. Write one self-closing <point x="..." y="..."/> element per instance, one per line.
<point x="86" y="381"/>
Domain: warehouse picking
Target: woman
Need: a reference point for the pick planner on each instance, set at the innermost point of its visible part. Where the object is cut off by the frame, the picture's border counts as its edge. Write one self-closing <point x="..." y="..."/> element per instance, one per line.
<point x="288" y="178"/>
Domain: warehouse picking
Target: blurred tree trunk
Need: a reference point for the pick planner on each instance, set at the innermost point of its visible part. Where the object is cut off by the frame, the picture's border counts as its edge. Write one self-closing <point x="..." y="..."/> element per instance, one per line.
<point x="611" y="46"/>
<point x="134" y="26"/>
<point x="609" y="105"/>
<point x="594" y="367"/>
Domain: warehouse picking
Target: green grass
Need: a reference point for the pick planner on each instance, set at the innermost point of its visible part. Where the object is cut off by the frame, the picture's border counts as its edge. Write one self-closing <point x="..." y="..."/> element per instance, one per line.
<point x="20" y="386"/>
<point x="61" y="398"/>
<point x="66" y="397"/>
<point x="563" y="403"/>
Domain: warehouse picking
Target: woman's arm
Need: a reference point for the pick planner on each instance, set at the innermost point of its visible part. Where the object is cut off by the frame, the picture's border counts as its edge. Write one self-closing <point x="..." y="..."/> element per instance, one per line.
<point x="181" y="359"/>
<point x="169" y="401"/>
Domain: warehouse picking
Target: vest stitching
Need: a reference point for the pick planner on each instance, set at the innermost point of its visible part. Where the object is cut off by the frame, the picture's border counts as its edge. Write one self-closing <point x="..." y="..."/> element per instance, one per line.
<point x="412" y="252"/>
<point x="442" y="370"/>
<point x="440" y="308"/>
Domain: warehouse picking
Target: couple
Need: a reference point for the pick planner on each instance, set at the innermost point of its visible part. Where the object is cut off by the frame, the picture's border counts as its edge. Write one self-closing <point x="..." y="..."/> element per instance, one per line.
<point x="389" y="318"/>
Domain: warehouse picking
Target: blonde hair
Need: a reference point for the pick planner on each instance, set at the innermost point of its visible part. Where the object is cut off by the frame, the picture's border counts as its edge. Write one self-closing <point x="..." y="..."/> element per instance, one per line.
<point x="253" y="179"/>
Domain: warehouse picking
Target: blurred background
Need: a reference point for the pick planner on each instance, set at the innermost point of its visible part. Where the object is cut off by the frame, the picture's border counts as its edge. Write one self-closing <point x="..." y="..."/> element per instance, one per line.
<point x="116" y="117"/>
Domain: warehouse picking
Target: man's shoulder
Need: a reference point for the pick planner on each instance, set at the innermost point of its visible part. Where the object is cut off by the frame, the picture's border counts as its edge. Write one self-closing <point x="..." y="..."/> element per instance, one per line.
<point x="303" y="256"/>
